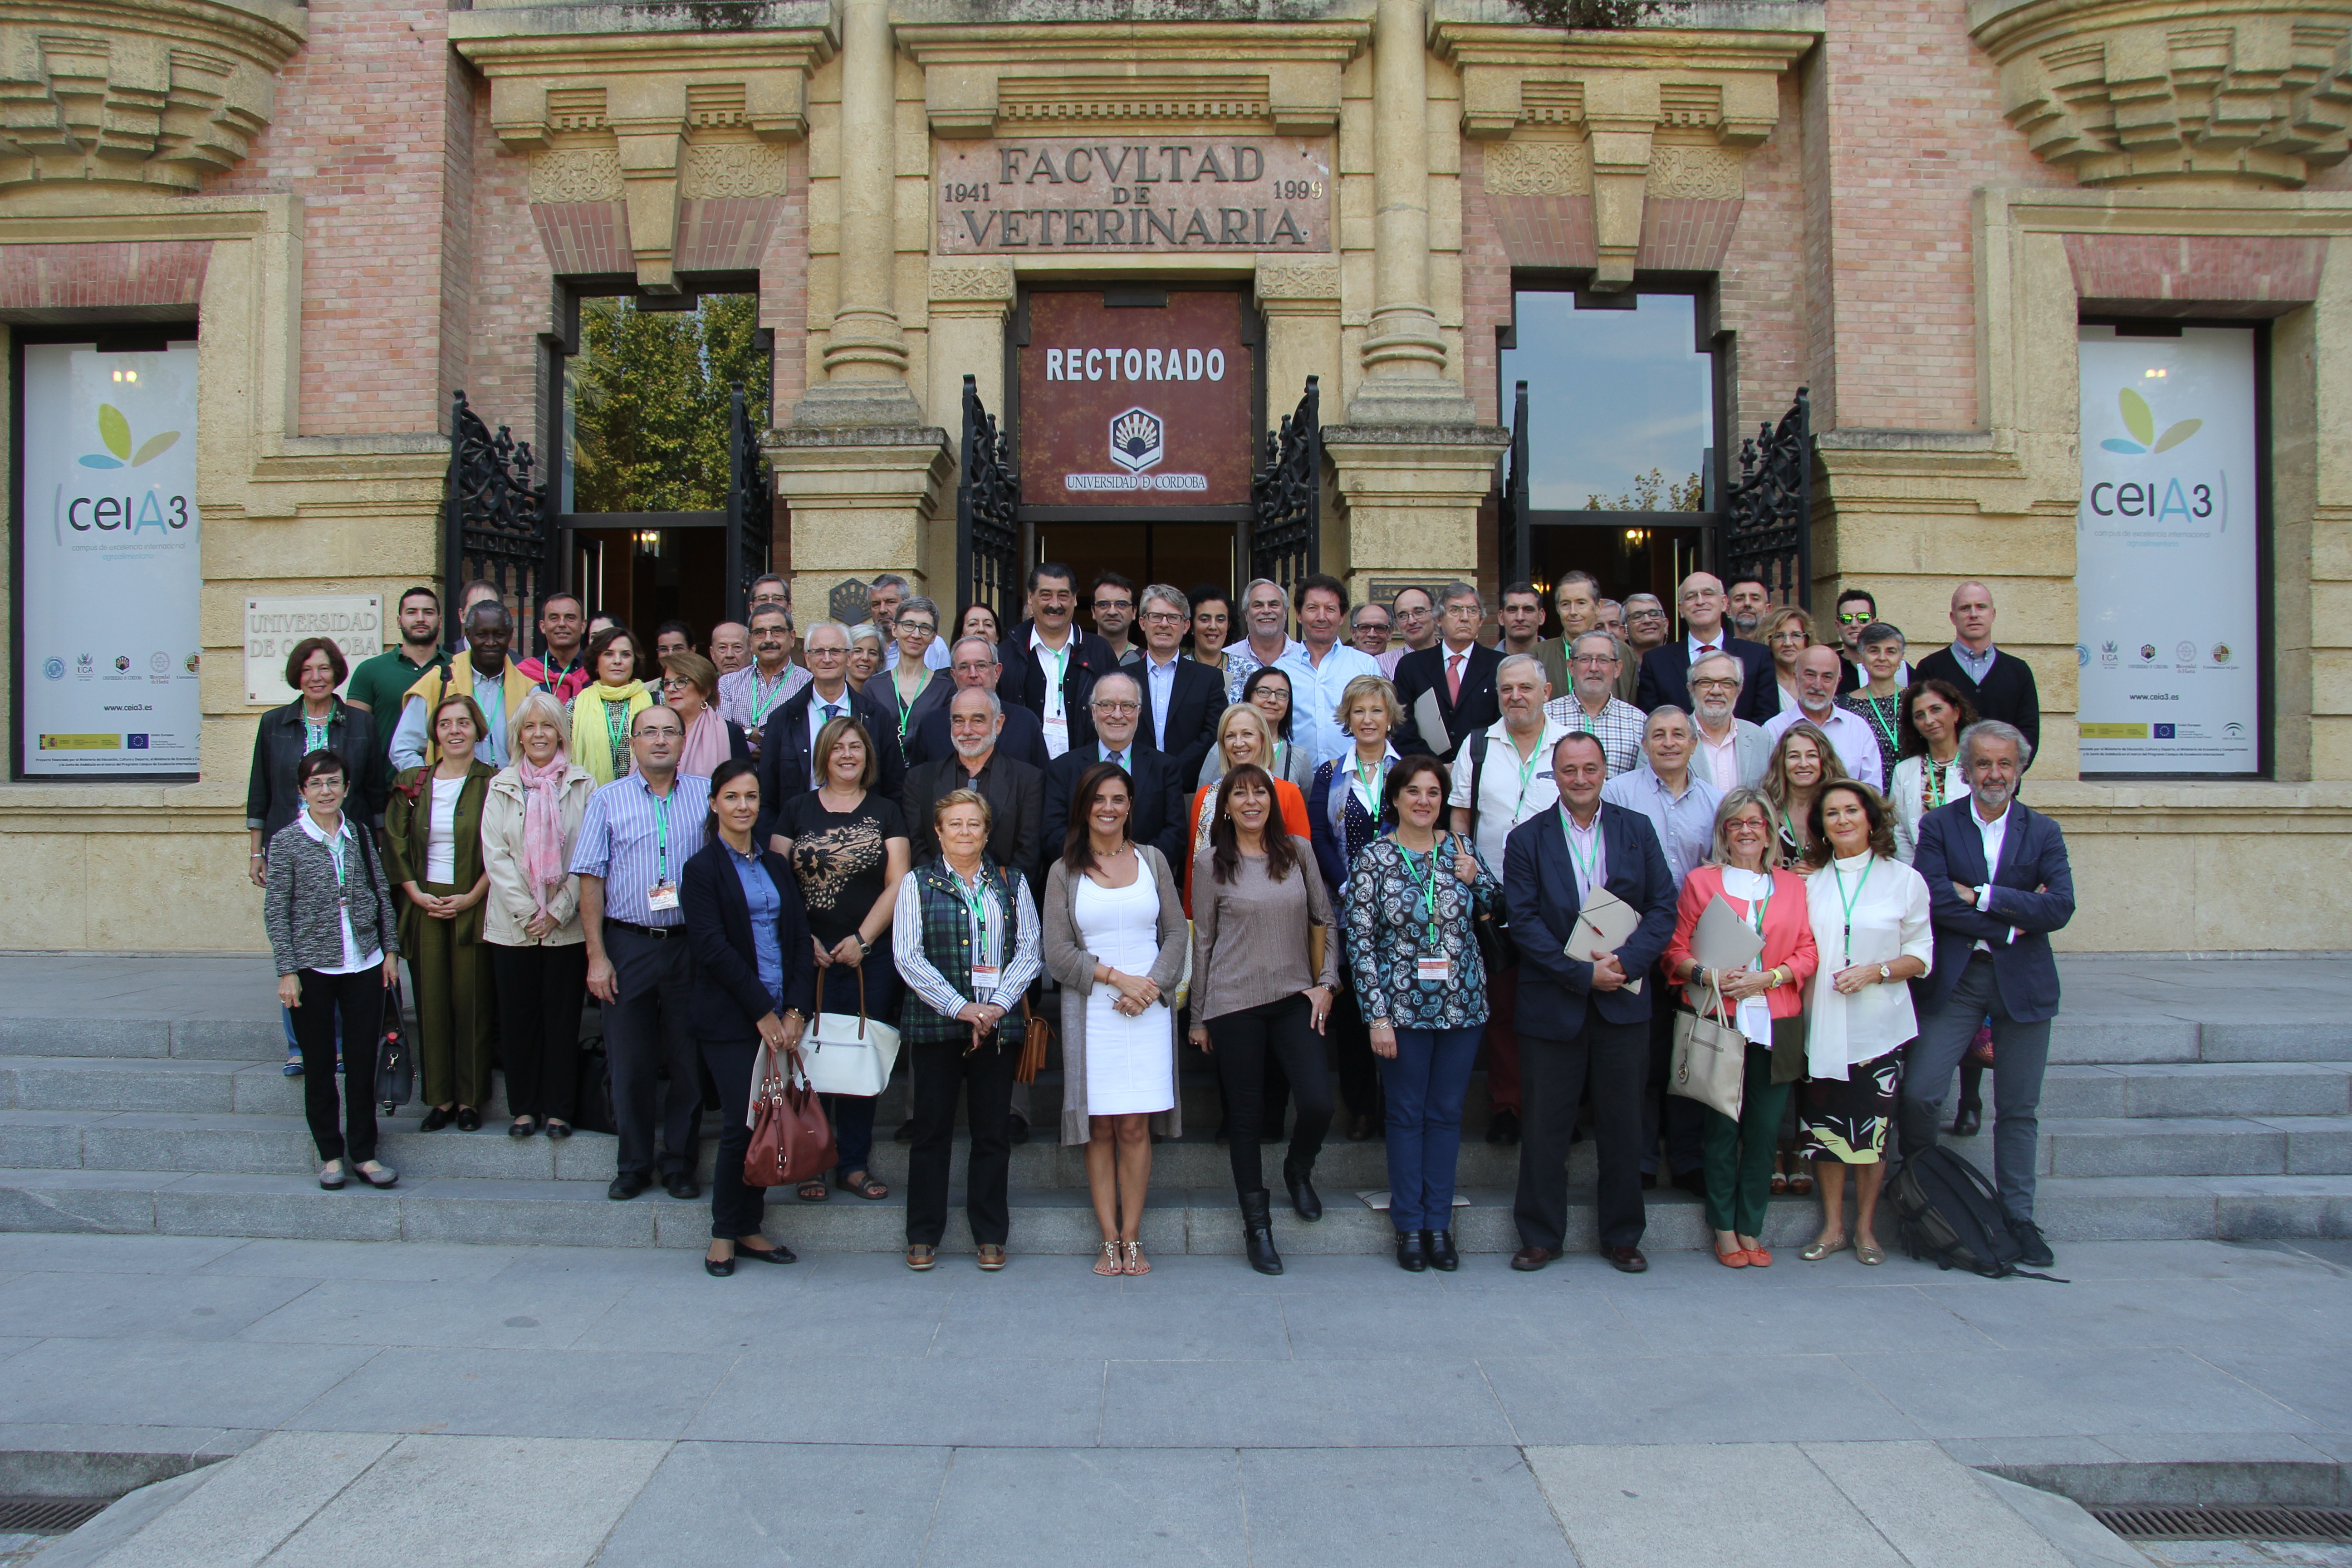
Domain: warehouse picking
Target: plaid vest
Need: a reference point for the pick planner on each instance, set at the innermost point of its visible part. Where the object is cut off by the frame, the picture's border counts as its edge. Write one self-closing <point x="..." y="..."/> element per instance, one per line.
<point x="947" y="943"/>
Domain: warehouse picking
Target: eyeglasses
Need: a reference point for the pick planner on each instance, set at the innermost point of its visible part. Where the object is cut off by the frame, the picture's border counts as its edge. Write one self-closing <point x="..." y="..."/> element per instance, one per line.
<point x="1594" y="658"/>
<point x="915" y="624"/>
<point x="1714" y="685"/>
<point x="676" y="683"/>
<point x="1647" y="615"/>
<point x="1165" y="617"/>
<point x="1118" y="707"/>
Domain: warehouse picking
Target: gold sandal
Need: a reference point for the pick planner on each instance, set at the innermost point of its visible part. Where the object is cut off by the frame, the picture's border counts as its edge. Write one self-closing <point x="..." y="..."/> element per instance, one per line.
<point x="1870" y="1256"/>
<point x="1820" y="1250"/>
<point x="1108" y="1263"/>
<point x="1136" y="1262"/>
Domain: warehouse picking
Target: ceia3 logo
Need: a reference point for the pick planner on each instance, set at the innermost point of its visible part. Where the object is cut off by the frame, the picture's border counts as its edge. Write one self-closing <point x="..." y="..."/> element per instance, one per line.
<point x="1139" y="438"/>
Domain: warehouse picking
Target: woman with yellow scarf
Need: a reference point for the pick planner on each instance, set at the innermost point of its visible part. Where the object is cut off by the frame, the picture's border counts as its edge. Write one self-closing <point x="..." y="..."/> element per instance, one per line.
<point x="601" y="714"/>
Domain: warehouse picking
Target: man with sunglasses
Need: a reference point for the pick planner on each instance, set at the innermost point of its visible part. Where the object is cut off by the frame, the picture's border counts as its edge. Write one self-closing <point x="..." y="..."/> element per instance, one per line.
<point x="1856" y="608"/>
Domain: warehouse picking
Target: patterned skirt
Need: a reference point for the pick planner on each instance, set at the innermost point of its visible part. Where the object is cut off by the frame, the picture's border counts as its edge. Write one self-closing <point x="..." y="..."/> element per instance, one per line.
<point x="1846" y="1119"/>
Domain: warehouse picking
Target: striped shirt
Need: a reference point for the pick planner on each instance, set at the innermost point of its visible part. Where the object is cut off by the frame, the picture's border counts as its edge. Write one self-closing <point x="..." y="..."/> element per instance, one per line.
<point x="633" y="840"/>
<point x="1017" y="968"/>
<point x="747" y="698"/>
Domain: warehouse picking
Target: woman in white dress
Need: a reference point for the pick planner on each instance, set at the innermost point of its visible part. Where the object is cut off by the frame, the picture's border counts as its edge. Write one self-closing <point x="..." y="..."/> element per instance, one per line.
<point x="1115" y="939"/>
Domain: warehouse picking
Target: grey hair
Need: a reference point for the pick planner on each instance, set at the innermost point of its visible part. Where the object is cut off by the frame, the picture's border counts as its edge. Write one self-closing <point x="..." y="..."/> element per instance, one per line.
<point x="1667" y="710"/>
<point x="1510" y="660"/>
<point x="1605" y="637"/>
<point x="995" y="703"/>
<point x="1734" y="802"/>
<point x="1739" y="672"/>
<point x="866" y="631"/>
<point x="543" y="702"/>
<point x="1631" y="599"/>
<point x="1256" y="583"/>
<point x="1994" y="730"/>
<point x="892" y="580"/>
<point x="925" y="606"/>
<point x="1167" y="595"/>
<point x="1458" y="590"/>
<point x="983" y="641"/>
<point x="820" y="625"/>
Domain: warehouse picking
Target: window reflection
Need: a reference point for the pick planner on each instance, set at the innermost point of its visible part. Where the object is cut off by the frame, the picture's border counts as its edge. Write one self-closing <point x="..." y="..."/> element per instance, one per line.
<point x="1619" y="402"/>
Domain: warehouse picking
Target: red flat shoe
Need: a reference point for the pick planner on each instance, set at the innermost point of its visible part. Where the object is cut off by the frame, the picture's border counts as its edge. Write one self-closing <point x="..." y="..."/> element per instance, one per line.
<point x="1758" y="1259"/>
<point x="1736" y="1258"/>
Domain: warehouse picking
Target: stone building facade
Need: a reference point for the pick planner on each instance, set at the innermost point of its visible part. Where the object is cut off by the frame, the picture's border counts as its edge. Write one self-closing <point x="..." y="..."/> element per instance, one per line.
<point x="1909" y="206"/>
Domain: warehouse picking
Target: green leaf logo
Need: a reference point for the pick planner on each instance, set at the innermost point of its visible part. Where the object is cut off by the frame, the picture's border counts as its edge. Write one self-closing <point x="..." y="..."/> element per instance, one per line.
<point x="156" y="446"/>
<point x="2178" y="433"/>
<point x="114" y="430"/>
<point x="2139" y="418"/>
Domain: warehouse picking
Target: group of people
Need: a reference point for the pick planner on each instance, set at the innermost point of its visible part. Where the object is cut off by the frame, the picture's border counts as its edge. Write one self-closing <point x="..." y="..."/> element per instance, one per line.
<point x="1361" y="842"/>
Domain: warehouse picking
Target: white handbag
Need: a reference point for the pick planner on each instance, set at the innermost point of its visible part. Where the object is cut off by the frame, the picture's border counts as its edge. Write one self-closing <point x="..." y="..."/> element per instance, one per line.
<point x="849" y="1053"/>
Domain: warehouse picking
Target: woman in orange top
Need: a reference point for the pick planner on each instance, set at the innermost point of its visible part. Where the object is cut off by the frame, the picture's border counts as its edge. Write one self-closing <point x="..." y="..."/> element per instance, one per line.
<point x="1768" y="997"/>
<point x="1242" y="736"/>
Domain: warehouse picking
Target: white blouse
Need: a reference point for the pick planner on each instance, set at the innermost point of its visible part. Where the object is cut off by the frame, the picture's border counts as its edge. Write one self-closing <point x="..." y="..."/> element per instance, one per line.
<point x="441" y="831"/>
<point x="1888" y="920"/>
<point x="1906" y="792"/>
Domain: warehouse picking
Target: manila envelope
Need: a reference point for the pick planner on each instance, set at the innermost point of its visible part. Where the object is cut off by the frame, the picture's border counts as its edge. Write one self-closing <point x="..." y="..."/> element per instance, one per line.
<point x="1605" y="925"/>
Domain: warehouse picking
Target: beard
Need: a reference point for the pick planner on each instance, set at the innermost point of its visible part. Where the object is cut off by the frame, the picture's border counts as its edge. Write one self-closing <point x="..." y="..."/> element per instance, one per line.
<point x="1994" y="795"/>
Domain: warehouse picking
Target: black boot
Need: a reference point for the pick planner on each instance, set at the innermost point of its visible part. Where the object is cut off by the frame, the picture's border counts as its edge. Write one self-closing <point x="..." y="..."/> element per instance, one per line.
<point x="1439" y="1245"/>
<point x="1257" y="1231"/>
<point x="1411" y="1257"/>
<point x="1969" y="1119"/>
<point x="1303" y="1196"/>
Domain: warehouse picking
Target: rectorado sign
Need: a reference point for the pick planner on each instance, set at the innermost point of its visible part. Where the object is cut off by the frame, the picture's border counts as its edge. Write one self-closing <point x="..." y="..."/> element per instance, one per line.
<point x="1135" y="406"/>
<point x="1241" y="192"/>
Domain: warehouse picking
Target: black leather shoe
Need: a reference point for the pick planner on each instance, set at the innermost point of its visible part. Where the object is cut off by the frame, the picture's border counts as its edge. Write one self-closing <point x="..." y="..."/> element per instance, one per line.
<point x="1969" y="1119"/>
<point x="522" y="1129"/>
<point x="1303" y="1196"/>
<point x="469" y="1118"/>
<point x="1527" y="1260"/>
<point x="1257" y="1231"/>
<point x="718" y="1268"/>
<point x="1627" y="1259"/>
<point x="2037" y="1253"/>
<point x="1020" y="1128"/>
<point x="559" y="1129"/>
<point x="437" y="1119"/>
<point x="628" y="1184"/>
<point x="1649" y="1181"/>
<point x="1411" y="1257"/>
<point x="1439" y="1245"/>
<point x="1502" y="1128"/>
<point x="779" y="1253"/>
<point x="681" y="1185"/>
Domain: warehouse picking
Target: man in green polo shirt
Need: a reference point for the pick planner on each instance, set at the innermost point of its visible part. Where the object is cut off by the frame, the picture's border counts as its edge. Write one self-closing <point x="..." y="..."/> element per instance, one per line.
<point x="380" y="683"/>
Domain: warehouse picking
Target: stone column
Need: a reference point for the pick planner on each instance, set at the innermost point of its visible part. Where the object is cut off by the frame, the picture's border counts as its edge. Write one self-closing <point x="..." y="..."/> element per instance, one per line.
<point x="1405" y="354"/>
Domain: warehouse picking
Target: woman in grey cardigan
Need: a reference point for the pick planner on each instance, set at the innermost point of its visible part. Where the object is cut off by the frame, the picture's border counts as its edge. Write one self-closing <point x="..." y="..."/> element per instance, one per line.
<point x="1115" y="939"/>
<point x="328" y="907"/>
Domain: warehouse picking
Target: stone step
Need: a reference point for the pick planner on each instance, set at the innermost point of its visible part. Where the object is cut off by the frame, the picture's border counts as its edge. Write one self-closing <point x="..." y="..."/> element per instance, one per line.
<point x="1049" y="1220"/>
<point x="2197" y="1090"/>
<point x="2181" y="1146"/>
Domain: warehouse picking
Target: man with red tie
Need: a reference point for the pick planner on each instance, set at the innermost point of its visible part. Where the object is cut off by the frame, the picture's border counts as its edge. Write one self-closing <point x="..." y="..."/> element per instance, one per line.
<point x="1459" y="671"/>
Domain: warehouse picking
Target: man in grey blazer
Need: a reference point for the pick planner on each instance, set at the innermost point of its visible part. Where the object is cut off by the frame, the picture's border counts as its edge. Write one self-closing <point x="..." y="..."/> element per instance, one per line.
<point x="1731" y="751"/>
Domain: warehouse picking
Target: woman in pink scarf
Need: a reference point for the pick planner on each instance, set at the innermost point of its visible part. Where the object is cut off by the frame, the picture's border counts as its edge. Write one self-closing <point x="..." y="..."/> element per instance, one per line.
<point x="538" y="960"/>
<point x="689" y="688"/>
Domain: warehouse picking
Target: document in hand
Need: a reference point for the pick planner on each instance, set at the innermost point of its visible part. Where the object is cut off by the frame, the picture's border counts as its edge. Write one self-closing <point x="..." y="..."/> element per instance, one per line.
<point x="1431" y="722"/>
<point x="1605" y="924"/>
<point x="1724" y="941"/>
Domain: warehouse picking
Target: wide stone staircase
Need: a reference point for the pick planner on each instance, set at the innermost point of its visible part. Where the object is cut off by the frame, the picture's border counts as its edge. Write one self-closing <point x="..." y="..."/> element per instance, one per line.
<point x="150" y="1121"/>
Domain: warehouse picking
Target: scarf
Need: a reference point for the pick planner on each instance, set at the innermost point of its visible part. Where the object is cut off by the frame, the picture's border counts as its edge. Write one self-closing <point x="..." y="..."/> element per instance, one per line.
<point x="705" y="745"/>
<point x="543" y="859"/>
<point x="592" y="722"/>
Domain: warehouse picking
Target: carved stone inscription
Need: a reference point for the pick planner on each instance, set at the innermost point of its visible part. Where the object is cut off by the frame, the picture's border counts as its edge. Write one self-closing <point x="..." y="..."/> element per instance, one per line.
<point x="1152" y="193"/>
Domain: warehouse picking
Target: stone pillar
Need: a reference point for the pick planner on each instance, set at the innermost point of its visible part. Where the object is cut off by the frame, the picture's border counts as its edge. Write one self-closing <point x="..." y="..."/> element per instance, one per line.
<point x="1404" y="352"/>
<point x="863" y="502"/>
<point x="1411" y="496"/>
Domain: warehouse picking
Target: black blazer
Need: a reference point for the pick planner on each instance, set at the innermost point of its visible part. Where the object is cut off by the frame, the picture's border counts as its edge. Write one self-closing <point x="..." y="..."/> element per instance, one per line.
<point x="271" y="801"/>
<point x="1665" y="678"/>
<point x="1015" y="793"/>
<point x="931" y="698"/>
<point x="784" y="759"/>
<point x="1196" y="703"/>
<point x="1022" y="683"/>
<point x="2032" y="856"/>
<point x="1161" y="807"/>
<point x="1539" y="889"/>
<point x="1424" y="671"/>
<point x="728" y="999"/>
<point x="1021" y="739"/>
<point x="2008" y="694"/>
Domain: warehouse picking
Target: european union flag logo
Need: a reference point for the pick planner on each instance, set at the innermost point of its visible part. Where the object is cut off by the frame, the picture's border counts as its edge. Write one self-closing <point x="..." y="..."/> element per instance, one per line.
<point x="2164" y="731"/>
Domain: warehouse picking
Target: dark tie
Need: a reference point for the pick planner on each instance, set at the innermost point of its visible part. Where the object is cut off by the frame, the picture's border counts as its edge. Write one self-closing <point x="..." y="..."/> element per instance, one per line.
<point x="1116" y="759"/>
<point x="831" y="711"/>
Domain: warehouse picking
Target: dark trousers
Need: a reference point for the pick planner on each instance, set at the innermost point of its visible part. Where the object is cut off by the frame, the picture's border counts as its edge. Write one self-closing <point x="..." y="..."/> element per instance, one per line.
<point x="540" y="992"/>
<point x="1274" y="1104"/>
<point x="1682" y="1120"/>
<point x="1739" y="1153"/>
<point x="2020" y="1053"/>
<point x="852" y="1115"/>
<point x="736" y="1206"/>
<point x="1427" y="1081"/>
<point x="1351" y="1042"/>
<point x="1244" y="1040"/>
<point x="356" y="1000"/>
<point x="453" y="1009"/>
<point x="646" y="1031"/>
<point x="1613" y="1060"/>
<point x="941" y="1068"/>
<point x="1503" y="1041"/>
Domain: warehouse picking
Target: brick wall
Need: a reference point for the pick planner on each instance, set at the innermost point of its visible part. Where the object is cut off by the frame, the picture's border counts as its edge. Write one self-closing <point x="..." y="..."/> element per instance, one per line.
<point x="115" y="275"/>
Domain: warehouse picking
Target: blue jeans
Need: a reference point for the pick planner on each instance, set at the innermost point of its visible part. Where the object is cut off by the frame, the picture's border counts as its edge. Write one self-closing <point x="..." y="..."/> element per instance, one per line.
<point x="1427" y="1083"/>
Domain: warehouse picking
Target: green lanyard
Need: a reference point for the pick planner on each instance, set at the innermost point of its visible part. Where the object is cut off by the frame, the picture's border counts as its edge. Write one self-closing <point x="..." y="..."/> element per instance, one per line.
<point x="906" y="703"/>
<point x="661" y="839"/>
<point x="335" y="849"/>
<point x="976" y="900"/>
<point x="1931" y="780"/>
<point x="1061" y="673"/>
<point x="1368" y="780"/>
<point x="550" y="677"/>
<point x="616" y="732"/>
<point x="314" y="732"/>
<point x="759" y="709"/>
<point x="1884" y="727"/>
<point x="1585" y="864"/>
<point x="1427" y="876"/>
<point x="1526" y="779"/>
<point x="1864" y="882"/>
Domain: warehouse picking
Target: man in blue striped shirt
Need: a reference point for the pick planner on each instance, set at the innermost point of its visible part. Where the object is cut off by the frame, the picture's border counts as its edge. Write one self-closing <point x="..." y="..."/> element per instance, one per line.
<point x="634" y="841"/>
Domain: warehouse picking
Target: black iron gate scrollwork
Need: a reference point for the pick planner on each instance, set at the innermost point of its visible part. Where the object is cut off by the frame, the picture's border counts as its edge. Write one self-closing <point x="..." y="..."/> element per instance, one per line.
<point x="988" y="513"/>
<point x="1769" y="530"/>
<point x="750" y="508"/>
<point x="495" y="522"/>
<point x="1287" y="497"/>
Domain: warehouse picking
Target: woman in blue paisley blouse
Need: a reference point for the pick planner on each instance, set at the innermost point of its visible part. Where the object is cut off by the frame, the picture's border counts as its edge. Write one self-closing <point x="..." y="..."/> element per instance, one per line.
<point x="1413" y="898"/>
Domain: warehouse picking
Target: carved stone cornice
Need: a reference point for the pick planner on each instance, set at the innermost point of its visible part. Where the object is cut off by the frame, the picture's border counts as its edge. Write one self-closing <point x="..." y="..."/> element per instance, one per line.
<point x="2246" y="93"/>
<point x="1621" y="116"/>
<point x="981" y="287"/>
<point x="644" y="115"/>
<point x="138" y="92"/>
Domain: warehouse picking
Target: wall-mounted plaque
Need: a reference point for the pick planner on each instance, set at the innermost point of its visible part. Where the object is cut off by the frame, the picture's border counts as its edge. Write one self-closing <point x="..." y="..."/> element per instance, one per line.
<point x="1152" y="194"/>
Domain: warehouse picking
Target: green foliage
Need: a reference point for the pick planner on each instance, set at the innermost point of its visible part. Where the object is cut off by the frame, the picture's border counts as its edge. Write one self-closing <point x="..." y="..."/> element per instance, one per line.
<point x="1654" y="491"/>
<point x="650" y="395"/>
<point x="1599" y="14"/>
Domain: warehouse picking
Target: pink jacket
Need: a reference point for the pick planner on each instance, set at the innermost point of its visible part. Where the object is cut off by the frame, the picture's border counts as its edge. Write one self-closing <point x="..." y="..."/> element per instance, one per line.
<point x="1788" y="935"/>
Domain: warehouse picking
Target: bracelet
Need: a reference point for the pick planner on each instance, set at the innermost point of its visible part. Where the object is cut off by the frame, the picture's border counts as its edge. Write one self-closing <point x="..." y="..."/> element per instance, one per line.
<point x="257" y="855"/>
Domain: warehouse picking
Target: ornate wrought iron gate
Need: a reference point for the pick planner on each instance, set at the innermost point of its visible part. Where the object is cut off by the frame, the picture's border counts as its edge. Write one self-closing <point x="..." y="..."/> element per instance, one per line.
<point x="1769" y="530"/>
<point x="987" y="514"/>
<point x="1287" y="496"/>
<point x="495" y="521"/>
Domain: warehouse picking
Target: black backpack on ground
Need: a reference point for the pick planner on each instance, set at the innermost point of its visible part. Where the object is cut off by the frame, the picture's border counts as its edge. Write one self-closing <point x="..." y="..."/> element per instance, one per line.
<point x="1949" y="1212"/>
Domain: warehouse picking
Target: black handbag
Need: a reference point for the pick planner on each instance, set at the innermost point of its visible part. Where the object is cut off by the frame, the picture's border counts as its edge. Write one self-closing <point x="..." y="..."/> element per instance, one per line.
<point x="592" y="1094"/>
<point x="395" y="1058"/>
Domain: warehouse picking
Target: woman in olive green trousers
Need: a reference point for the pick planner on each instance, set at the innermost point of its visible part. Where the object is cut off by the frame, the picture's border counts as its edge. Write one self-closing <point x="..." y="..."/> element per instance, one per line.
<point x="433" y="851"/>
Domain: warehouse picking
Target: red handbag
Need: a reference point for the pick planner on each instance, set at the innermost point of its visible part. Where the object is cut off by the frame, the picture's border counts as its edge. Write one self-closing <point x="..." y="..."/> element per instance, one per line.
<point x="791" y="1139"/>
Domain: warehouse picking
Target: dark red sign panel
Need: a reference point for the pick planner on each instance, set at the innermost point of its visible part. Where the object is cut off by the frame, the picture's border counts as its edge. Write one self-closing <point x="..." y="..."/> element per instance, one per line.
<point x="1131" y="407"/>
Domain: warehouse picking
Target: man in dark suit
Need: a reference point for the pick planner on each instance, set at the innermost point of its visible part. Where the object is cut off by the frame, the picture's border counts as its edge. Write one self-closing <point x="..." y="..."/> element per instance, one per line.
<point x="1050" y="666"/>
<point x="1458" y="670"/>
<point x="1665" y="669"/>
<point x="789" y="738"/>
<point x="1182" y="700"/>
<point x="1158" y="816"/>
<point x="1998" y="885"/>
<point x="1014" y="791"/>
<point x="2000" y="685"/>
<point x="1578" y="1021"/>
<point x="975" y="669"/>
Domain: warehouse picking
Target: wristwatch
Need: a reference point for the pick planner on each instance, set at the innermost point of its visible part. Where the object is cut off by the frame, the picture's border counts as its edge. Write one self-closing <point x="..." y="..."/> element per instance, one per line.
<point x="1886" y="972"/>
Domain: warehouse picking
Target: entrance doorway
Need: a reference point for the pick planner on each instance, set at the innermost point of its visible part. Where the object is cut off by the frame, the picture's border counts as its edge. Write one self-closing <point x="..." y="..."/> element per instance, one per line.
<point x="1181" y="555"/>
<point x="1623" y="561"/>
<point x="648" y="575"/>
